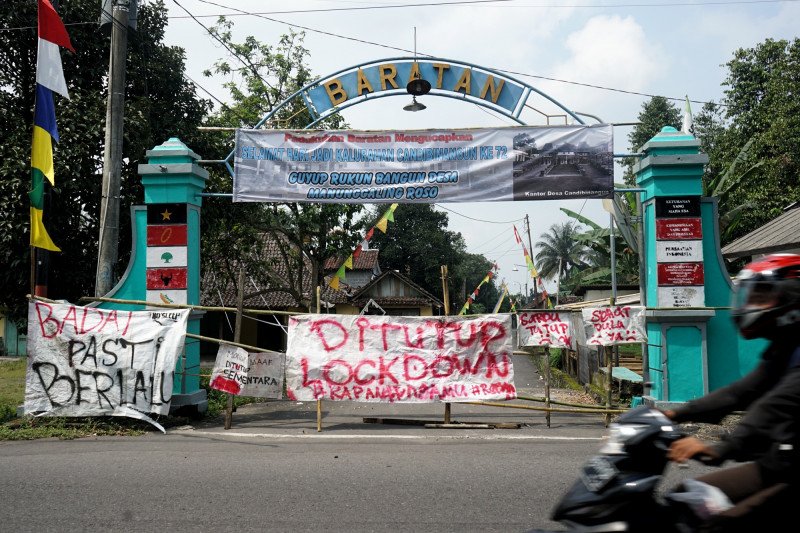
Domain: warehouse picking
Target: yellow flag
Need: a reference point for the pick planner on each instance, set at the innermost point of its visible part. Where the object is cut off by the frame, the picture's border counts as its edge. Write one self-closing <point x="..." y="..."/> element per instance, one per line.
<point x="39" y="236"/>
<point x="334" y="283"/>
<point x="349" y="262"/>
<point x="381" y="225"/>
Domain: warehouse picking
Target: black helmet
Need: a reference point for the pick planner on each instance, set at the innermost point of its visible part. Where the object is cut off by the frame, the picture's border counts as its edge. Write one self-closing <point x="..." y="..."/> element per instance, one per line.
<point x="766" y="296"/>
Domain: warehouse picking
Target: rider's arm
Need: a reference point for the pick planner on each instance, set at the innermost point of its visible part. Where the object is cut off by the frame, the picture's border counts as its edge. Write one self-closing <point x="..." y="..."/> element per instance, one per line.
<point x="772" y="423"/>
<point x="713" y="407"/>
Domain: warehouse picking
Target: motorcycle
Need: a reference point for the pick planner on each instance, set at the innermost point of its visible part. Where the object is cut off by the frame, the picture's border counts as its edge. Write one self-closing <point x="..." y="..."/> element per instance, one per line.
<point x="617" y="488"/>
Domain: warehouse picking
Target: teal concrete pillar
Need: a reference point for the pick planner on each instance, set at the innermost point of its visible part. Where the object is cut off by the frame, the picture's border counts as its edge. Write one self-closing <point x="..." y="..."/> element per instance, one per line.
<point x="165" y="256"/>
<point x="693" y="346"/>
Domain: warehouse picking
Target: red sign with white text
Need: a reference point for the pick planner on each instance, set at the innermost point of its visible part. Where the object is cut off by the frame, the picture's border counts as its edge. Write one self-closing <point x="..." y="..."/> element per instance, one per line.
<point x="166" y="235"/>
<point x="680" y="274"/>
<point x="678" y="229"/>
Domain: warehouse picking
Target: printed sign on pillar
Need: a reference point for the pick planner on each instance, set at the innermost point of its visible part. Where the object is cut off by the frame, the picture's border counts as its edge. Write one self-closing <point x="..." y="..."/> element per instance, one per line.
<point x="167" y="253"/>
<point x="679" y="252"/>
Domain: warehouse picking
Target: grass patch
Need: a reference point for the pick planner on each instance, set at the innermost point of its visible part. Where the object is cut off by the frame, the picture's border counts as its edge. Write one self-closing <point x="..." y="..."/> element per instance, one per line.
<point x="12" y="395"/>
<point x="63" y="428"/>
<point x="12" y="387"/>
<point x="630" y="350"/>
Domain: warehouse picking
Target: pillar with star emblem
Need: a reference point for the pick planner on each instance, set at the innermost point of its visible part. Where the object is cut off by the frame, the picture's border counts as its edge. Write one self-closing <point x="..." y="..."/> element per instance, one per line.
<point x="165" y="260"/>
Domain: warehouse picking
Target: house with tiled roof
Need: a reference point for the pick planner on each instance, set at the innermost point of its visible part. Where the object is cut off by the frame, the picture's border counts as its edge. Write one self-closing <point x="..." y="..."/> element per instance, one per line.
<point x="364" y="286"/>
<point x="392" y="293"/>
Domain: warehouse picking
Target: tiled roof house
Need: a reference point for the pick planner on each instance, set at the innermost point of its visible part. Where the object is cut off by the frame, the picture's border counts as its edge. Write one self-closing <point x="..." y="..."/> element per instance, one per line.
<point x="363" y="284"/>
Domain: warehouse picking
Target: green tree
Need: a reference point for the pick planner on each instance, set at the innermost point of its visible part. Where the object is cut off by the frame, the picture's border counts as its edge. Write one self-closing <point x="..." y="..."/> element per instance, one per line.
<point x="762" y="109"/>
<point x="559" y="251"/>
<point x="473" y="269"/>
<point x="418" y="243"/>
<point x="160" y="103"/>
<point x="596" y="240"/>
<point x="655" y="114"/>
<point x="261" y="77"/>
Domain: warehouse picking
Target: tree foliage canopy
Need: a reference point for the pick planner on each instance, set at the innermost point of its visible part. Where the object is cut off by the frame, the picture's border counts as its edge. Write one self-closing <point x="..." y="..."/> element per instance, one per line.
<point x="418" y="243"/>
<point x="655" y="114"/>
<point x="762" y="109"/>
<point x="160" y="103"/>
<point x="263" y="76"/>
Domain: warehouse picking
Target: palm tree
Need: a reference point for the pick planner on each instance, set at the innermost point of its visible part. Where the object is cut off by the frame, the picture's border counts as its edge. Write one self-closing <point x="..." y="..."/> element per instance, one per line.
<point x="559" y="251"/>
<point x="597" y="246"/>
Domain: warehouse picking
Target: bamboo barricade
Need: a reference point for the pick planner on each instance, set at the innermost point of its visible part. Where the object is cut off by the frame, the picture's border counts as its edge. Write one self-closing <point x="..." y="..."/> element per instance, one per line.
<point x="607" y="410"/>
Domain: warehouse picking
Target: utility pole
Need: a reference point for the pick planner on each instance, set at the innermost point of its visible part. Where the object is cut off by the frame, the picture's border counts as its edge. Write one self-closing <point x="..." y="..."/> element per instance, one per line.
<point x="112" y="156"/>
<point x="530" y="247"/>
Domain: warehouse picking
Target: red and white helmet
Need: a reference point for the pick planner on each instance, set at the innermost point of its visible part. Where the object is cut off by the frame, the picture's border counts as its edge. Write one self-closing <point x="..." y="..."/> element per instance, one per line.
<point x="766" y="297"/>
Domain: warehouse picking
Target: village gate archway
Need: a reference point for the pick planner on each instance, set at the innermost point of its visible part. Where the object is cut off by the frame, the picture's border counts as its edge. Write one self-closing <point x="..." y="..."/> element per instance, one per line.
<point x="685" y="286"/>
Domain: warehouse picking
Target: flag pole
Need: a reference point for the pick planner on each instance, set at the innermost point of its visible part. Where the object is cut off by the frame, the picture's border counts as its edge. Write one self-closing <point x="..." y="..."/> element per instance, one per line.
<point x="33" y="270"/>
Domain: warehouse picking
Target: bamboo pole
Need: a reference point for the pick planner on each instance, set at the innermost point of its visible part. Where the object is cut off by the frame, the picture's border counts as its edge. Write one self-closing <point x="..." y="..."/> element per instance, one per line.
<point x="187" y="306"/>
<point x="319" y="402"/>
<point x="236" y="337"/>
<point x="547" y="383"/>
<point x="556" y="402"/>
<point x="607" y="412"/>
<point x="223" y="341"/>
<point x="446" y="298"/>
<point x="609" y="392"/>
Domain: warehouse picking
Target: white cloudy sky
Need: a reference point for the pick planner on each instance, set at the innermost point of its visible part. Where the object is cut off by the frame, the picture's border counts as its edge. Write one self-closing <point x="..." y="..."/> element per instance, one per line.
<point x="671" y="48"/>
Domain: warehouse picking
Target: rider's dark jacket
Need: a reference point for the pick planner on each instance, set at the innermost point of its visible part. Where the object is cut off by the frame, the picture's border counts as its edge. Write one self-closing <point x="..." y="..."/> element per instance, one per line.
<point x="769" y="432"/>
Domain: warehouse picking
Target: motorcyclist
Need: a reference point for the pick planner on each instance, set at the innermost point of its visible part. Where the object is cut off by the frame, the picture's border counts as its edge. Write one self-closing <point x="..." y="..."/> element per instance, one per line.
<point x="766" y="304"/>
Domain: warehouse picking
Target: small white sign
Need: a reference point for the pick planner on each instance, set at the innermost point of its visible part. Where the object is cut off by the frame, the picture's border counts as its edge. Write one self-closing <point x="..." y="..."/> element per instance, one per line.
<point x="248" y="374"/>
<point x="545" y="328"/>
<point x="179" y="296"/>
<point x="693" y="296"/>
<point x="166" y="256"/>
<point x="679" y="251"/>
<point x="609" y="326"/>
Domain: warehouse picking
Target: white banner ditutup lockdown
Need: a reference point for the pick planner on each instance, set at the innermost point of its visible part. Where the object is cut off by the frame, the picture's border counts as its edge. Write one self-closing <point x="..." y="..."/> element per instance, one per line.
<point x="87" y="361"/>
<point x="609" y="326"/>
<point x="426" y="166"/>
<point x="399" y="359"/>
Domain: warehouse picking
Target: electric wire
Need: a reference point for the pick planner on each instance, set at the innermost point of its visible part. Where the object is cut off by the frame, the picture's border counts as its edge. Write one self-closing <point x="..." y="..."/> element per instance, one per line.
<point x="244" y="61"/>
<point x="400" y="49"/>
<point x="478" y="219"/>
<point x="446" y="4"/>
<point x="525" y="6"/>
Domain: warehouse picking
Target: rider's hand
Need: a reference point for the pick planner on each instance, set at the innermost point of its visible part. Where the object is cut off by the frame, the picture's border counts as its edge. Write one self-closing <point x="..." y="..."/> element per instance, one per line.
<point x="684" y="449"/>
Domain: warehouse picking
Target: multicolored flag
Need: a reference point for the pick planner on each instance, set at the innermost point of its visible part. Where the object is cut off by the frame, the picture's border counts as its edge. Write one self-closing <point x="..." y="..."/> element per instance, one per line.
<point x="49" y="78"/>
<point x="382" y="225"/>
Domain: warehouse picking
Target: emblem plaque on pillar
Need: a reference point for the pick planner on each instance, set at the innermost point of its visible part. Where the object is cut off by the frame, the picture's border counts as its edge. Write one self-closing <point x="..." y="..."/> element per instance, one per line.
<point x="167" y="254"/>
<point x="679" y="252"/>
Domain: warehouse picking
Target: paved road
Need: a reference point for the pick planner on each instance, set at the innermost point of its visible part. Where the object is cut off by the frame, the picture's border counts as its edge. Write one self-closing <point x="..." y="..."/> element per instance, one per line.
<point x="272" y="471"/>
